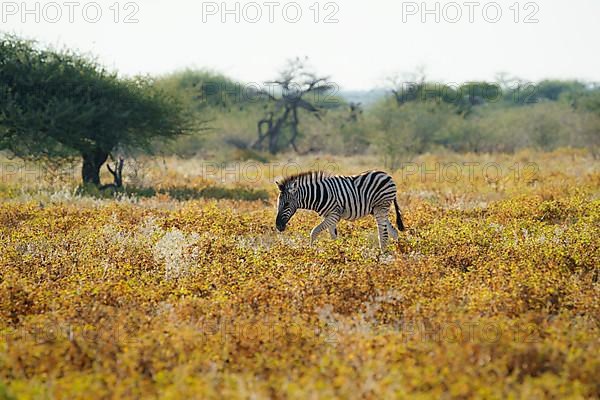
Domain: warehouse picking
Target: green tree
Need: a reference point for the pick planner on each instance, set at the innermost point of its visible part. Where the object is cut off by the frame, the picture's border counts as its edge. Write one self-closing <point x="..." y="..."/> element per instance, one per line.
<point x="413" y="128"/>
<point x="61" y="104"/>
<point x="552" y="90"/>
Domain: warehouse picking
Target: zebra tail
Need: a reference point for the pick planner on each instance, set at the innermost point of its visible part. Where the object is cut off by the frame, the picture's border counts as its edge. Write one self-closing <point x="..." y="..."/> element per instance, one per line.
<point x="398" y="216"/>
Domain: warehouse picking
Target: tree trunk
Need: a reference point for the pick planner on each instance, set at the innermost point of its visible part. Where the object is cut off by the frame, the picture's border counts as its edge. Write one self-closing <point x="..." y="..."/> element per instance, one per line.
<point x="276" y="131"/>
<point x="294" y="126"/>
<point x="92" y="162"/>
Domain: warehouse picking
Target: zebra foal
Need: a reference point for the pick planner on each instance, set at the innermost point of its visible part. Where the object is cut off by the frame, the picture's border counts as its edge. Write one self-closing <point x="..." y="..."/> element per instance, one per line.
<point x="340" y="197"/>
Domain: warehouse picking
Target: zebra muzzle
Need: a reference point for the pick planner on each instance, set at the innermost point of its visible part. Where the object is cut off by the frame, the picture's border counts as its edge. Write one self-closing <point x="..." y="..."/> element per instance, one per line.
<point x="280" y="225"/>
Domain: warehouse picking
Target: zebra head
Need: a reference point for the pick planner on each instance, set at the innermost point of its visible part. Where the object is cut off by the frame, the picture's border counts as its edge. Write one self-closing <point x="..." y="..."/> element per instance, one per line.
<point x="287" y="203"/>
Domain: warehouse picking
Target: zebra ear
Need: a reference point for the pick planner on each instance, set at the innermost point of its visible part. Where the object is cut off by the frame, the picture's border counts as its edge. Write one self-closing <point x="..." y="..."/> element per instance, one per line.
<point x="292" y="186"/>
<point x="280" y="185"/>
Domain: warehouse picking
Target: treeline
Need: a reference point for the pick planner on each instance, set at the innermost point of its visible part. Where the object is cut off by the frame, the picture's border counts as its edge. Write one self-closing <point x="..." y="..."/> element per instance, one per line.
<point x="58" y="104"/>
<point x="414" y="117"/>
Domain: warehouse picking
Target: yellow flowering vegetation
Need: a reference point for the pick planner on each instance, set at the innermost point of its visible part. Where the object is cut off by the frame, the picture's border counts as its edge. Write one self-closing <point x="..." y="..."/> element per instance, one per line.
<point x="491" y="292"/>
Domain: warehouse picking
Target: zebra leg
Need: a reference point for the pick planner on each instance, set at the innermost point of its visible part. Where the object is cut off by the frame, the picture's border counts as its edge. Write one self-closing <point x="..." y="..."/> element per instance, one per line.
<point x="329" y="223"/>
<point x="382" y="220"/>
<point x="333" y="232"/>
<point x="391" y="230"/>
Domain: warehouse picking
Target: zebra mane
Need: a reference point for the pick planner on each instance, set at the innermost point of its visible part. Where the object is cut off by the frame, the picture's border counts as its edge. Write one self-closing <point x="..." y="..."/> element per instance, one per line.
<point x="312" y="174"/>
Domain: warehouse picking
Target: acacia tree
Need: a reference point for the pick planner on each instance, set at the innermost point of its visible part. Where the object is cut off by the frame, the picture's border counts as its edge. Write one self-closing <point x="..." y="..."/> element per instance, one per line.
<point x="296" y="89"/>
<point x="464" y="97"/>
<point x="58" y="104"/>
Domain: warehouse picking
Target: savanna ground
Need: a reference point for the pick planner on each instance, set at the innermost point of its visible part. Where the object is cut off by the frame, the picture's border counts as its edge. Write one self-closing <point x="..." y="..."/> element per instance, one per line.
<point x="185" y="290"/>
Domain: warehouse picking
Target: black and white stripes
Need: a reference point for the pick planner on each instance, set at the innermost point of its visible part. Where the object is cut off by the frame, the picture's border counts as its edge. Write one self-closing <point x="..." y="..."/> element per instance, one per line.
<point x="340" y="197"/>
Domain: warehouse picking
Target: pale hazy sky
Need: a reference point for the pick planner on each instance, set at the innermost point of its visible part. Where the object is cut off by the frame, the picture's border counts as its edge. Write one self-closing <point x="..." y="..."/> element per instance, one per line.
<point x="369" y="42"/>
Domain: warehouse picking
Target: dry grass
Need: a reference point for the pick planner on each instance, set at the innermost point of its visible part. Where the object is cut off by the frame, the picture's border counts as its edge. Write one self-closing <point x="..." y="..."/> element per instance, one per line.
<point x="492" y="292"/>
